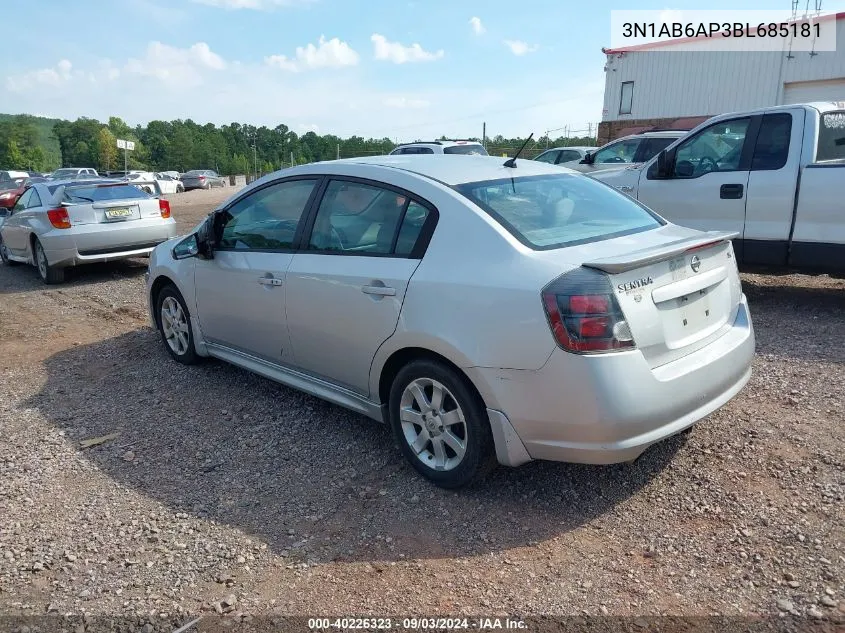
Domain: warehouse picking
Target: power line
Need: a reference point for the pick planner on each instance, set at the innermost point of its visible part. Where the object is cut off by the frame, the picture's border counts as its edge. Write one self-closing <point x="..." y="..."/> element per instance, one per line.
<point x="476" y="116"/>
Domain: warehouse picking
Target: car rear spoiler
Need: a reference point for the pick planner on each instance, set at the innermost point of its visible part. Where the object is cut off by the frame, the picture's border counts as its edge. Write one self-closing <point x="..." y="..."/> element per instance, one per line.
<point x="654" y="254"/>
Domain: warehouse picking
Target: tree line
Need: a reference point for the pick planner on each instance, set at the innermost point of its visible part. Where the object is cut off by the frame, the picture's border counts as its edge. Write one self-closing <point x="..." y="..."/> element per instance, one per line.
<point x="41" y="144"/>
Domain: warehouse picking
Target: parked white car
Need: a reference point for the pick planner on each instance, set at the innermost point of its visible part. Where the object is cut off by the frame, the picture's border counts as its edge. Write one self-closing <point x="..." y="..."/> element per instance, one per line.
<point x="73" y="172"/>
<point x="58" y="224"/>
<point x="155" y="183"/>
<point x="772" y="177"/>
<point x="574" y="324"/>
<point x="441" y="147"/>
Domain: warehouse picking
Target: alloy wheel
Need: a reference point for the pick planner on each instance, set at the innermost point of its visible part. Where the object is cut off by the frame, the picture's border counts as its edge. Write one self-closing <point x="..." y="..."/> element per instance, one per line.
<point x="174" y="325"/>
<point x="433" y="424"/>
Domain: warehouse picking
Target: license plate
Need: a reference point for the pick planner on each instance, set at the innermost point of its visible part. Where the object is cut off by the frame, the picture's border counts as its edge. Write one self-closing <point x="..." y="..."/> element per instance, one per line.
<point x="117" y="214"/>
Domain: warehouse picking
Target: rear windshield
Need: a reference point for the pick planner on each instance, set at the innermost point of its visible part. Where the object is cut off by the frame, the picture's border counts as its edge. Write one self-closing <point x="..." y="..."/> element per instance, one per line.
<point x="546" y="212"/>
<point x="98" y="193"/>
<point x="65" y="172"/>
<point x="469" y="148"/>
<point x="831" y="136"/>
<point x="195" y="172"/>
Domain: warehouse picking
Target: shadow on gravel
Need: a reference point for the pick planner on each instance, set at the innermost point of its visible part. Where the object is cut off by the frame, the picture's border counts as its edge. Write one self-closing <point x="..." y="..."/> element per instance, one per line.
<point x="217" y="442"/>
<point x="23" y="278"/>
<point x="798" y="322"/>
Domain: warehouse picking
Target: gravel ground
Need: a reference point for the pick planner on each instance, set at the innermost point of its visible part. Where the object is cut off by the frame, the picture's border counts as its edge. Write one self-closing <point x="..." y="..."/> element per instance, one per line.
<point x="227" y="493"/>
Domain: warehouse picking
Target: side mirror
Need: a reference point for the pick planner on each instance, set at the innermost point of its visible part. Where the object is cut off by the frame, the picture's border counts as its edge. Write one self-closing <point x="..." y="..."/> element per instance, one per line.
<point x="188" y="247"/>
<point x="589" y="159"/>
<point x="205" y="237"/>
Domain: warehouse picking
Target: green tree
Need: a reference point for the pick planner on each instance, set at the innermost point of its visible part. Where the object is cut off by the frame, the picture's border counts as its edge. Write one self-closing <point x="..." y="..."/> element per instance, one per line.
<point x="106" y="149"/>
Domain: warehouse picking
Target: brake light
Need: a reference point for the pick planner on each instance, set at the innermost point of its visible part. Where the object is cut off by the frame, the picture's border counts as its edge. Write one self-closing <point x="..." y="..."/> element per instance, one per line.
<point x="202" y="177"/>
<point x="59" y="218"/>
<point x="584" y="315"/>
<point x="164" y="208"/>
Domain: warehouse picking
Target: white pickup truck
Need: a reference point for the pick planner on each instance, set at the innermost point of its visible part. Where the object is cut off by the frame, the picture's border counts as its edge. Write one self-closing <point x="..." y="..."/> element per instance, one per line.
<point x="775" y="177"/>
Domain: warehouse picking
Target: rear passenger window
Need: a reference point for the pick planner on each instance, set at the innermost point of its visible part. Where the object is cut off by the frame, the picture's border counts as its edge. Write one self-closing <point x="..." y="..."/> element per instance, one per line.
<point x="357" y="218"/>
<point x="772" y="148"/>
<point x="34" y="200"/>
<point x="412" y="225"/>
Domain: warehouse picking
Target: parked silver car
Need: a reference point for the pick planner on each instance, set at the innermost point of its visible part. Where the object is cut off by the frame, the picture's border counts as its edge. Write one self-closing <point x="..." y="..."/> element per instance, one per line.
<point x="202" y="179"/>
<point x="565" y="156"/>
<point x="58" y="224"/>
<point x="484" y="312"/>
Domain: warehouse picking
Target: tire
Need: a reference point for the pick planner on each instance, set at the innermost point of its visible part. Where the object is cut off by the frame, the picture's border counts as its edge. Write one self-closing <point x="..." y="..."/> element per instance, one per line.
<point x="207" y="186"/>
<point x="4" y="254"/>
<point x="176" y="332"/>
<point x="49" y="274"/>
<point x="180" y="189"/>
<point x="420" y="433"/>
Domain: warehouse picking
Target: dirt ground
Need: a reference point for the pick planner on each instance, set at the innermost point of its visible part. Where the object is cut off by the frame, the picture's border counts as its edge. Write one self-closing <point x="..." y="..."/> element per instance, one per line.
<point x="227" y="493"/>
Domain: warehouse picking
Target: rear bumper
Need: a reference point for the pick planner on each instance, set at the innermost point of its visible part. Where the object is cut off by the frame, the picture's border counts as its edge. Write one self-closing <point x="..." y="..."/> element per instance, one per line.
<point x="609" y="409"/>
<point x="90" y="243"/>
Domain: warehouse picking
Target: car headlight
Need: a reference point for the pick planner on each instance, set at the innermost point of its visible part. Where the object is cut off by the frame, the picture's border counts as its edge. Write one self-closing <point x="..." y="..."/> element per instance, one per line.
<point x="5" y="196"/>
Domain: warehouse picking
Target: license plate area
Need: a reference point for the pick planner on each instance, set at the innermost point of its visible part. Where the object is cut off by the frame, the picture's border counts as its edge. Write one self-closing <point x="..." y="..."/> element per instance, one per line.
<point x="121" y="213"/>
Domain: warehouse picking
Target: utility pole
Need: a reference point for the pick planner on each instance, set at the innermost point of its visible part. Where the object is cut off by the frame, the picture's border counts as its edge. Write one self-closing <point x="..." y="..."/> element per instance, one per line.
<point x="291" y="159"/>
<point x="338" y="151"/>
<point x="255" y="159"/>
<point x="484" y="135"/>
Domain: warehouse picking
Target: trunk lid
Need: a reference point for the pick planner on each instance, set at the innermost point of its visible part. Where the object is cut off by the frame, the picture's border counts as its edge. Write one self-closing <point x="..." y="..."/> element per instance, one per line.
<point x="679" y="289"/>
<point x="113" y="211"/>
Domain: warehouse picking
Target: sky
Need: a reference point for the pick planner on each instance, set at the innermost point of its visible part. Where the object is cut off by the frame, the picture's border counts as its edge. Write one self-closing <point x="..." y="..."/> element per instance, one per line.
<point x="374" y="68"/>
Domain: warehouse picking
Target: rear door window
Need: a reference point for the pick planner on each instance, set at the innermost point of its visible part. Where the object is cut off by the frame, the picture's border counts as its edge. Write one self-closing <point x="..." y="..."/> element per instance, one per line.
<point x="567" y="155"/>
<point x="548" y="157"/>
<point x="772" y="147"/>
<point x="831" y="136"/>
<point x="34" y="200"/>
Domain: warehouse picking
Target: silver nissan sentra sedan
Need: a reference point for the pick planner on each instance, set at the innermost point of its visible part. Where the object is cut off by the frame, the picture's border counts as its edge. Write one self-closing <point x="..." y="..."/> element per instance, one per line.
<point x="62" y="223"/>
<point x="486" y="312"/>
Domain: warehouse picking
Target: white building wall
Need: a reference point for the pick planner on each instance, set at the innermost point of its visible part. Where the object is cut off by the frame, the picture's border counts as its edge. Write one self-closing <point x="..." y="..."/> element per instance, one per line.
<point x="698" y="83"/>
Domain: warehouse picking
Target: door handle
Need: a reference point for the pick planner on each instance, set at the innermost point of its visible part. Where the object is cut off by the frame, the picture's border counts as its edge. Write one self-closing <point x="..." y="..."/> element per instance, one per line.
<point x="730" y="192"/>
<point x="269" y="281"/>
<point x="381" y="291"/>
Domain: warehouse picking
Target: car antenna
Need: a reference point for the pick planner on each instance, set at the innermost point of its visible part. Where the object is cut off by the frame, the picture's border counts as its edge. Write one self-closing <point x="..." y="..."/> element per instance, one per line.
<point x="511" y="162"/>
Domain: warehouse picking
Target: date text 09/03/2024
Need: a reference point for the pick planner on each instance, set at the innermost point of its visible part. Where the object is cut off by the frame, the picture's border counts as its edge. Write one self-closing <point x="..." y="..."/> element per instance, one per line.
<point x="415" y="624"/>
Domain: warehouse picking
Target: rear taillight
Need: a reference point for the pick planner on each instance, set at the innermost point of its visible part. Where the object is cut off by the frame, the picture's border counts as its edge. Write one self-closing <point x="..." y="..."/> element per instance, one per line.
<point x="201" y="177"/>
<point x="59" y="218"/>
<point x="164" y="208"/>
<point x="584" y="315"/>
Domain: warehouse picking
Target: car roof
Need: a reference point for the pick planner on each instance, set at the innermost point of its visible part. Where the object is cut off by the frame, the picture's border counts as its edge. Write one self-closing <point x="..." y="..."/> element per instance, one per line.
<point x="445" y="143"/>
<point x="449" y="169"/>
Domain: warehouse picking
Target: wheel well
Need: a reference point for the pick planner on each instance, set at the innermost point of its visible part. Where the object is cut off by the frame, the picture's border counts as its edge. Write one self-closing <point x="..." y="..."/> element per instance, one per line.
<point x="160" y="282"/>
<point x="402" y="357"/>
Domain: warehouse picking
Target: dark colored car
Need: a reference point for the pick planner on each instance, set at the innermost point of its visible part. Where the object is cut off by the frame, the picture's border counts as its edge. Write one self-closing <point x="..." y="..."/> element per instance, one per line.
<point x="202" y="179"/>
